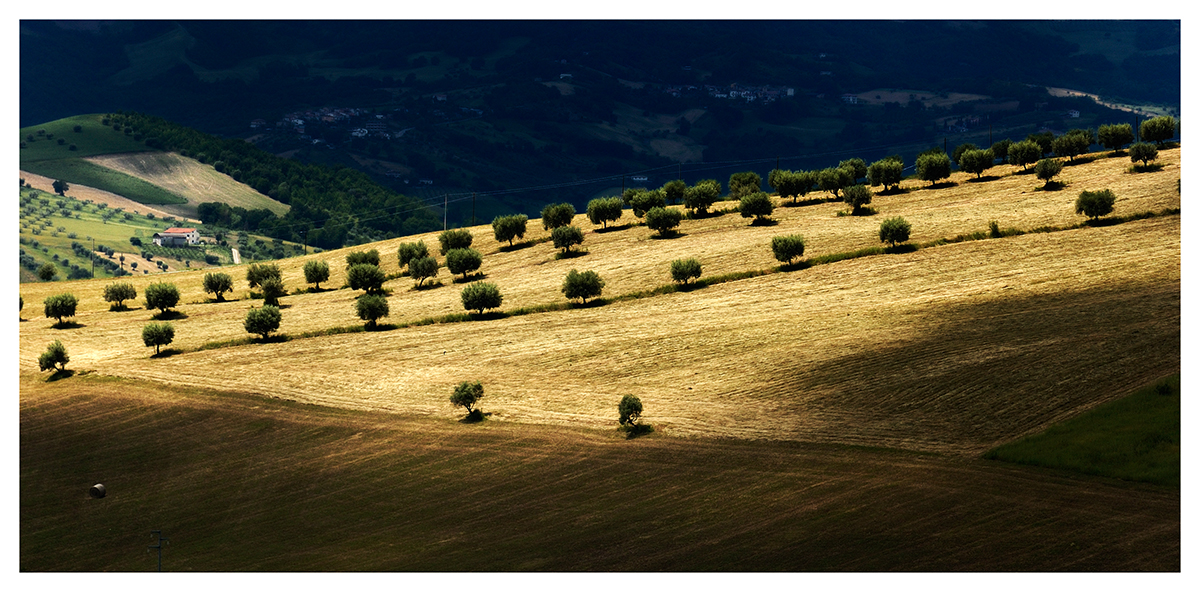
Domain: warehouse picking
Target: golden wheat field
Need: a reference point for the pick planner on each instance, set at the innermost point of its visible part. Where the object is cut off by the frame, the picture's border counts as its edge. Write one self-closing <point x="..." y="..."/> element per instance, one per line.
<point x="953" y="348"/>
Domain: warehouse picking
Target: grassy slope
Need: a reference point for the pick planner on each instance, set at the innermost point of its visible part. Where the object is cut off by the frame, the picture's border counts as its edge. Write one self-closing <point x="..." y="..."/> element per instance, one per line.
<point x="1136" y="438"/>
<point x="247" y="484"/>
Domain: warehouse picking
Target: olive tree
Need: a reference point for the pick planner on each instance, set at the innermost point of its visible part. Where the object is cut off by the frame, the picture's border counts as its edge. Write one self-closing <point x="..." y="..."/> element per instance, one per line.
<point x="787" y="248"/>
<point x="933" y="167"/>
<point x="565" y="237"/>
<point x="315" y="272"/>
<point x="834" y="179"/>
<point x="258" y="272"/>
<point x="976" y="161"/>
<point x="466" y="395"/>
<point x="757" y="205"/>
<point x="961" y="149"/>
<point x="54" y="358"/>
<point x="161" y="295"/>
<point x="60" y="306"/>
<point x="1024" y="153"/>
<point x="603" y="210"/>
<point x="371" y="308"/>
<point x="584" y="285"/>
<point x="454" y="239"/>
<point x="360" y="257"/>
<point x="894" y="230"/>
<point x="47" y="271"/>
<point x="509" y="228"/>
<point x="856" y="166"/>
<point x="366" y="277"/>
<point x="463" y="261"/>
<point x="118" y="293"/>
<point x="1144" y="152"/>
<point x="644" y="201"/>
<point x="685" y="270"/>
<point x="217" y="284"/>
<point x="887" y="172"/>
<point x="262" y="321"/>
<point x="1114" y="136"/>
<point x="157" y="335"/>
<point x="406" y="253"/>
<point x="743" y="184"/>
<point x="1094" y="204"/>
<point x="1158" y="129"/>
<point x="1071" y="145"/>
<point x="702" y="196"/>
<point x="422" y="269"/>
<point x="273" y="290"/>
<point x="629" y="411"/>
<point x="481" y="296"/>
<point x="673" y="191"/>
<point x="1000" y="149"/>
<point x="857" y="196"/>
<point x="1047" y="168"/>
<point x="664" y="221"/>
<point x="556" y="215"/>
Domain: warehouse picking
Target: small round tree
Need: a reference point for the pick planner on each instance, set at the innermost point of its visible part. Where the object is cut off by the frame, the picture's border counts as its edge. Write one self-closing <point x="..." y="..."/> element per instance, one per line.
<point x="60" y="306"/>
<point x="644" y="201"/>
<point x="481" y="296"/>
<point x="1115" y="136"/>
<point x="1094" y="204"/>
<point x="454" y="239"/>
<point x="315" y="272"/>
<point x="933" y="167"/>
<point x="272" y="291"/>
<point x="582" y="285"/>
<point x="509" y="228"/>
<point x="54" y="358"/>
<point x="359" y="257"/>
<point x="218" y="284"/>
<point x="1047" y="168"/>
<point x="467" y="395"/>
<point x="894" y="230"/>
<point x="1071" y="145"/>
<point x="702" y="196"/>
<point x="834" y="179"/>
<point x="757" y="205"/>
<point x="787" y="248"/>
<point x="976" y="161"/>
<point x="157" y="335"/>
<point x="1144" y="152"/>
<point x="422" y="268"/>
<point x="257" y="272"/>
<point x="673" y="191"/>
<point x="118" y="293"/>
<point x="366" y="277"/>
<point x="887" y="172"/>
<point x="603" y="210"/>
<point x="556" y="215"/>
<point x="1000" y="149"/>
<point x="463" y="261"/>
<point x="262" y="321"/>
<point x="1024" y="153"/>
<point x="409" y="252"/>
<point x="47" y="272"/>
<point x="664" y="221"/>
<point x="1158" y="129"/>
<point x="565" y="237"/>
<point x="685" y="270"/>
<point x="371" y="308"/>
<point x="161" y="295"/>
<point x="629" y="411"/>
<point x="744" y="183"/>
<point x="857" y="196"/>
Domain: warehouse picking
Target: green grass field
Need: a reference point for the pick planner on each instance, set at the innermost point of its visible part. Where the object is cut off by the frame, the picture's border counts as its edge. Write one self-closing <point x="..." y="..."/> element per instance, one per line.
<point x="75" y="171"/>
<point x="1136" y="438"/>
<point x="93" y="139"/>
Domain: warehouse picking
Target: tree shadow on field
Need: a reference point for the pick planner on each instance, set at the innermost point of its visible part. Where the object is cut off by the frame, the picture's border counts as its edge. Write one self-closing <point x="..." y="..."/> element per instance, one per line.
<point x="764" y="222"/>
<point x="637" y="430"/>
<point x="166" y="353"/>
<point x="1052" y="186"/>
<point x="812" y="201"/>
<point x="983" y="179"/>
<point x="470" y="278"/>
<point x="570" y="254"/>
<point x="614" y="228"/>
<point x="901" y="248"/>
<point x="59" y="375"/>
<point x="1146" y="168"/>
<point x="377" y="327"/>
<point x="593" y="303"/>
<point x="667" y="236"/>
<point x="1081" y="160"/>
<point x="487" y="316"/>
<point x="67" y="325"/>
<point x="427" y="286"/>
<point x="942" y="185"/>
<point x="525" y="244"/>
<point x="170" y="315"/>
<point x="1102" y="222"/>
<point x="475" y="416"/>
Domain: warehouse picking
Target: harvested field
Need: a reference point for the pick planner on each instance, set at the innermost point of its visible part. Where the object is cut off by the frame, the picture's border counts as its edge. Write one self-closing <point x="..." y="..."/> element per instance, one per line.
<point x="85" y="193"/>
<point x="949" y="349"/>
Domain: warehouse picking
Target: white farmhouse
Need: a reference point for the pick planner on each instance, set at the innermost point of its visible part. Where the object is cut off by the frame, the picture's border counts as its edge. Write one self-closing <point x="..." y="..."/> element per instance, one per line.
<point x="174" y="237"/>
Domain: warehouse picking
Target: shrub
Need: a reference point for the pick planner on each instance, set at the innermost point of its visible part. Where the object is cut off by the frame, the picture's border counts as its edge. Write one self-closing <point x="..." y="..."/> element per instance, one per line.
<point x="582" y="285"/>
<point x="218" y="284"/>
<point x="603" y="210"/>
<point x="47" y="272"/>
<point x="360" y="257"/>
<point x="1158" y="129"/>
<point x="262" y="321"/>
<point x="481" y="296"/>
<point x="1024" y="153"/>
<point x="315" y="272"/>
<point x="409" y="252"/>
<point x="787" y="248"/>
<point x="702" y="195"/>
<point x="685" y="270"/>
<point x="54" y="358"/>
<point x="463" y="261"/>
<point x="1047" y="168"/>
<point x="743" y="184"/>
<point x="273" y="290"/>
<point x="857" y="196"/>
<point x="60" y="306"/>
<point x="371" y="308"/>
<point x="663" y="220"/>
<point x="118" y="293"/>
<point x="1144" y="152"/>
<point x="508" y="228"/>
<point x="629" y="411"/>
<point x="1094" y="204"/>
<point x="157" y="335"/>
<point x="556" y="215"/>
<point x="933" y="167"/>
<point x="422" y="268"/>
<point x="757" y="205"/>
<point x="467" y="395"/>
<point x="366" y="277"/>
<point x="161" y="295"/>
<point x="454" y="239"/>
<point x="565" y="237"/>
<point x="894" y="230"/>
<point x="258" y="272"/>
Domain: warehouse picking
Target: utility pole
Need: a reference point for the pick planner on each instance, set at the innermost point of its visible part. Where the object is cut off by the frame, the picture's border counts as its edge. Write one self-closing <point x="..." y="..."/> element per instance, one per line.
<point x="158" y="545"/>
<point x="472" y="208"/>
<point x="445" y="208"/>
<point x="304" y="239"/>
<point x="93" y="257"/>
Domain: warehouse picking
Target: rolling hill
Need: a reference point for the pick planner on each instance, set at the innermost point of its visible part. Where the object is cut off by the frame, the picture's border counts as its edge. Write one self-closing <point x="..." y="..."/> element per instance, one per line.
<point x="905" y="366"/>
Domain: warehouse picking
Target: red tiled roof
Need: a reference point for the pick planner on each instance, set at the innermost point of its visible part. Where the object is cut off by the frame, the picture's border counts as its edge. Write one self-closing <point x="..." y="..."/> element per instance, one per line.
<point x="174" y="230"/>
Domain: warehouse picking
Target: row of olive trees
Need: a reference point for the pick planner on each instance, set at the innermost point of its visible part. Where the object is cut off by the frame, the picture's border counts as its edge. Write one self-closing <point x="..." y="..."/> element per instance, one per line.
<point x="468" y="395"/>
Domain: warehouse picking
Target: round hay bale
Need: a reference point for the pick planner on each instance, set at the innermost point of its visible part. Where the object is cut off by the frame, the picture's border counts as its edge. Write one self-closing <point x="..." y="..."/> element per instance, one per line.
<point x="97" y="491"/>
